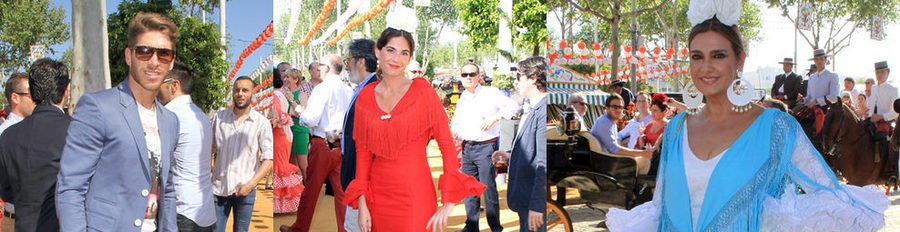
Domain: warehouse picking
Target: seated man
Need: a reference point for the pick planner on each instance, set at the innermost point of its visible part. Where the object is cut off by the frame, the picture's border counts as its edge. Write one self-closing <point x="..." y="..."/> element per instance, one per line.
<point x="605" y="130"/>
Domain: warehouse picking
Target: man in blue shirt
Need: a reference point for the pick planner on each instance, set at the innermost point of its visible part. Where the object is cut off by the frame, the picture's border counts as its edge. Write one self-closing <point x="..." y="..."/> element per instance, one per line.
<point x="605" y="129"/>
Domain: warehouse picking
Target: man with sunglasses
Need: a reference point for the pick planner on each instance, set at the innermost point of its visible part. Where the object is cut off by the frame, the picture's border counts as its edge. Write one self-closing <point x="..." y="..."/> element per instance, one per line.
<point x="115" y="170"/>
<point x="19" y="99"/>
<point x="576" y="101"/>
<point x="478" y="110"/>
<point x="605" y="129"/>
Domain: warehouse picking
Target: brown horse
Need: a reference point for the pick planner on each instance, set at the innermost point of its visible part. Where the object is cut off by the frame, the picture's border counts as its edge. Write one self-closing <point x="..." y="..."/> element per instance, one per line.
<point x="852" y="149"/>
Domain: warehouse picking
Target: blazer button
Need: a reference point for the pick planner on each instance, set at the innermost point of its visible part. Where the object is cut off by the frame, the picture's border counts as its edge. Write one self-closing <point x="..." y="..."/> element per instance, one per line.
<point x="137" y="222"/>
<point x="145" y="193"/>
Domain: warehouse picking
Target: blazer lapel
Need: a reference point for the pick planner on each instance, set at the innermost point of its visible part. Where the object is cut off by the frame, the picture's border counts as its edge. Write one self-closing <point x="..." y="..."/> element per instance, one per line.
<point x="133" y="119"/>
<point x="166" y="127"/>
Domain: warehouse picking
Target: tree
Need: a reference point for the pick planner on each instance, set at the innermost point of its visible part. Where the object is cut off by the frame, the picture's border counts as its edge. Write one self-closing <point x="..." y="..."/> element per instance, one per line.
<point x="481" y="20"/>
<point x="193" y="7"/>
<point x="835" y="21"/>
<point x="28" y="22"/>
<point x="197" y="47"/>
<point x="531" y="16"/>
<point x="440" y="13"/>
<point x="613" y="12"/>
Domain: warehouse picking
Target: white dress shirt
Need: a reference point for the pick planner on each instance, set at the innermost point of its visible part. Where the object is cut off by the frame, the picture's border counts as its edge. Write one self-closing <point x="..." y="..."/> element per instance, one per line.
<point x="12" y="119"/>
<point x="883" y="96"/>
<point x="472" y="109"/>
<point x="240" y="147"/>
<point x="632" y="130"/>
<point x="326" y="107"/>
<point x="193" y="187"/>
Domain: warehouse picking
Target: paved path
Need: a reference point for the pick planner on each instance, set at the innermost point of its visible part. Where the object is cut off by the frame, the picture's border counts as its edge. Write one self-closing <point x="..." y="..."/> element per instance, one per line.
<point x="325" y="221"/>
<point x="585" y="219"/>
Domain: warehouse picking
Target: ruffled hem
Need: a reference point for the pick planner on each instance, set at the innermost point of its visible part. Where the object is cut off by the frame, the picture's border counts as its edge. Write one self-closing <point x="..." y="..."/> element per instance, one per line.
<point x="456" y="186"/>
<point x="355" y="189"/>
<point x="289" y="186"/>
<point x="850" y="208"/>
<point x="286" y="205"/>
<point x="644" y="217"/>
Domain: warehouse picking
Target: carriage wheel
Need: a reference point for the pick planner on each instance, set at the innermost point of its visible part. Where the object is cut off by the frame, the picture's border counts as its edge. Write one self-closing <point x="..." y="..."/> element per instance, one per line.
<point x="557" y="216"/>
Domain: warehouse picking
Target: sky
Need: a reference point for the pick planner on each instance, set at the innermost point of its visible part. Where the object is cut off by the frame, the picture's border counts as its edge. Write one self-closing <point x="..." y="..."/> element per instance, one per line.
<point x="245" y="20"/>
<point x="777" y="42"/>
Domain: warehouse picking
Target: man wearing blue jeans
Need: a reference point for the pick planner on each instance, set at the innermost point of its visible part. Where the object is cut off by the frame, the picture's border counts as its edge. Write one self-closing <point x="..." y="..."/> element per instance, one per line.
<point x="243" y="156"/>
<point x="478" y="110"/>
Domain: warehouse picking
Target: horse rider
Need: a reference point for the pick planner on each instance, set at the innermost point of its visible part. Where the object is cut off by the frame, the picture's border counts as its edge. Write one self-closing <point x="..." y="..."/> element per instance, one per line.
<point x="822" y="85"/>
<point x="880" y="106"/>
<point x="787" y="85"/>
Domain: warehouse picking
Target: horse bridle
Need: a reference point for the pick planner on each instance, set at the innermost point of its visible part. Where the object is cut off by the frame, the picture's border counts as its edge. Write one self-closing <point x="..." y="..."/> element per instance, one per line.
<point x="836" y="139"/>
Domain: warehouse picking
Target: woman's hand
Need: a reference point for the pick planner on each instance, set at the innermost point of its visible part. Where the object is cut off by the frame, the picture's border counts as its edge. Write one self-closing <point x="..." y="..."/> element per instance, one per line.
<point x="364" y="218"/>
<point x="439" y="221"/>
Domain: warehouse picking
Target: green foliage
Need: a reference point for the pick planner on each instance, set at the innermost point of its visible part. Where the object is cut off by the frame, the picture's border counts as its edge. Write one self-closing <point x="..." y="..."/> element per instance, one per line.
<point x="502" y="81"/>
<point x="532" y="16"/>
<point x="197" y="47"/>
<point x="27" y="22"/>
<point x="481" y="19"/>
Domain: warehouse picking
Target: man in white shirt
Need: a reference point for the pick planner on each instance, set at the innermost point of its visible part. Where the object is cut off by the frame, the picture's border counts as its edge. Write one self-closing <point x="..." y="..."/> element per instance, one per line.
<point x="243" y="156"/>
<point x="881" y="107"/>
<point x="193" y="188"/>
<point x="19" y="99"/>
<point x="478" y="110"/>
<point x="324" y="115"/>
<point x="20" y="106"/>
<point x="577" y="102"/>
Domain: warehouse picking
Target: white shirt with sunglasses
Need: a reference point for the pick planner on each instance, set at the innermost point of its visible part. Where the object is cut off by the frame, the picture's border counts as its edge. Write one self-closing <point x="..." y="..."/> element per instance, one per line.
<point x="473" y="109"/>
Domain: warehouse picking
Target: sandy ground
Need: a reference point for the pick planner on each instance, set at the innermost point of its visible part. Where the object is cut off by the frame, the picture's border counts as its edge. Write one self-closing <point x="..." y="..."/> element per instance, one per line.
<point x="324" y="217"/>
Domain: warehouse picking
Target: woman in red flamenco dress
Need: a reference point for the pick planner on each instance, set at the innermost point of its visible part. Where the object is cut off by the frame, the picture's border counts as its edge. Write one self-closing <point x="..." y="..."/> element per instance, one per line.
<point x="287" y="184"/>
<point x="395" y="119"/>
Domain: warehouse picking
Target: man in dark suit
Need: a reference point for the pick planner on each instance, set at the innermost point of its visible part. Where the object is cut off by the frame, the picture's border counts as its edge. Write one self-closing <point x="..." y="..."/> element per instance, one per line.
<point x="30" y="150"/>
<point x="787" y="85"/>
<point x="527" y="193"/>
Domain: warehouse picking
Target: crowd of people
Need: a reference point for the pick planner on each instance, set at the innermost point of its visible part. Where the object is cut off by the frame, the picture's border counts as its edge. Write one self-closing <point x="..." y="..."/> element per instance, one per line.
<point x="141" y="156"/>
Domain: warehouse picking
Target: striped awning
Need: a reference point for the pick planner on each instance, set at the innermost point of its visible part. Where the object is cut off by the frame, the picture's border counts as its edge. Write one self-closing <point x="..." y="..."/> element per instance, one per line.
<point x="558" y="93"/>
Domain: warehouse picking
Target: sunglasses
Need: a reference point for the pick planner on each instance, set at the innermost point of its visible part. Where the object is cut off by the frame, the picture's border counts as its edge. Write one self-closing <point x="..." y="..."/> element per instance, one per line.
<point x="616" y="107"/>
<point x="580" y="103"/>
<point x="144" y="53"/>
<point x="471" y="74"/>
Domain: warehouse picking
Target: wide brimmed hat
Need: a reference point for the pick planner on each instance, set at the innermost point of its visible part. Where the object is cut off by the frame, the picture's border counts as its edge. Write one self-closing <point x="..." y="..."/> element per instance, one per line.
<point x="617" y="82"/>
<point x="881" y="65"/>
<point x="819" y="52"/>
<point x="787" y="61"/>
<point x="812" y="67"/>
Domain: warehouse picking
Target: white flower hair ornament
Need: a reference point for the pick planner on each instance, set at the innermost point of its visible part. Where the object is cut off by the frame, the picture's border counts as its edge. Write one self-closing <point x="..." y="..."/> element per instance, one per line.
<point x="402" y="18"/>
<point x="727" y="11"/>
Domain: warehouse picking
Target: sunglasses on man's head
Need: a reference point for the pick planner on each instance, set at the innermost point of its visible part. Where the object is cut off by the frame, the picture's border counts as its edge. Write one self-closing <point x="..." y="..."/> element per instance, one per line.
<point x="144" y="53"/>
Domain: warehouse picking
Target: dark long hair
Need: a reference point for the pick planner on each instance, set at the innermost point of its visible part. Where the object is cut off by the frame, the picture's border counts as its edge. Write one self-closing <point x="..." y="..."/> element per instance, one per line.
<point x="731" y="33"/>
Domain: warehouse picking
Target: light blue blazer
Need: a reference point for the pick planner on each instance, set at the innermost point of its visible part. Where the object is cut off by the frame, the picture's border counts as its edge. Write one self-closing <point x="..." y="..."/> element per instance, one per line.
<point x="104" y="174"/>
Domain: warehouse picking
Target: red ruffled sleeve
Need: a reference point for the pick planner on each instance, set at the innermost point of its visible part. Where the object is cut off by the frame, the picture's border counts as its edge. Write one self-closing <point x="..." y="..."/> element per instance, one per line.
<point x="454" y="185"/>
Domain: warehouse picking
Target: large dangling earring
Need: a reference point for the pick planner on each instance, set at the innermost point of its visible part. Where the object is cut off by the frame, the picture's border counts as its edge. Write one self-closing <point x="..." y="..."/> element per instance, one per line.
<point x="692" y="99"/>
<point x="740" y="94"/>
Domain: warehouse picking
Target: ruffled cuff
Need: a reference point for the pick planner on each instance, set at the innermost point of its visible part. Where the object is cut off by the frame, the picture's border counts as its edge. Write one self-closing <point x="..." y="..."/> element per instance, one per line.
<point x="644" y="217"/>
<point x="456" y="186"/>
<point x="849" y="208"/>
<point x="355" y="189"/>
<point x="289" y="186"/>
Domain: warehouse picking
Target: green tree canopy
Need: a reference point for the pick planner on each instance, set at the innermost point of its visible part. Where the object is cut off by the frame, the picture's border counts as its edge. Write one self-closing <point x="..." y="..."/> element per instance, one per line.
<point x="28" y="22"/>
<point x="197" y="47"/>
